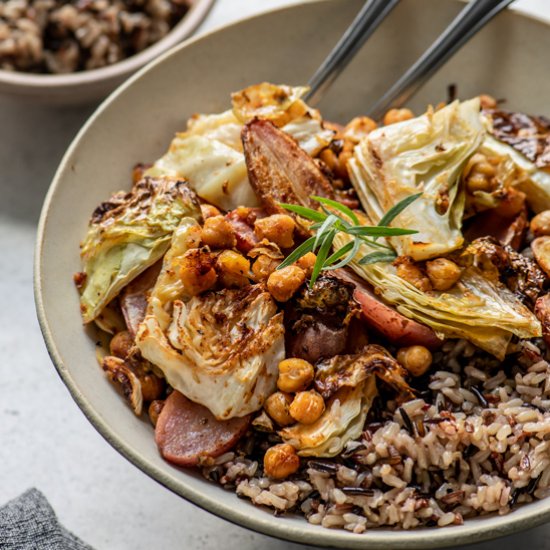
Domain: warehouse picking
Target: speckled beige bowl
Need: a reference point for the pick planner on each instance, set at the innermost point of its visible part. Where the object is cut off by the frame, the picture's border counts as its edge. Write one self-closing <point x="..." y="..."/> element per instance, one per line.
<point x="88" y="86"/>
<point x="509" y="59"/>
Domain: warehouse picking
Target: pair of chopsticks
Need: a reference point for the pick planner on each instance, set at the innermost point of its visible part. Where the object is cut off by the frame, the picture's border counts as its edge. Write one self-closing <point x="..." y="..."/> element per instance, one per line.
<point x="473" y="17"/>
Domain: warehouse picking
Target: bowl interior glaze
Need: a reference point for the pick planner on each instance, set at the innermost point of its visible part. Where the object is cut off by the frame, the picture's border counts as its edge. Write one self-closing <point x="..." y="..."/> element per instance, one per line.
<point x="508" y="59"/>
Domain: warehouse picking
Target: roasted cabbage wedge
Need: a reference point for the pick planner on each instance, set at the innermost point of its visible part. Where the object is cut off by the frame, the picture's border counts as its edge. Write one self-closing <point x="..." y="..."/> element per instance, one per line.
<point x="342" y="421"/>
<point x="526" y="177"/>
<point x="483" y="312"/>
<point x="210" y="153"/>
<point x="425" y="154"/>
<point x="129" y="233"/>
<point x="219" y="349"/>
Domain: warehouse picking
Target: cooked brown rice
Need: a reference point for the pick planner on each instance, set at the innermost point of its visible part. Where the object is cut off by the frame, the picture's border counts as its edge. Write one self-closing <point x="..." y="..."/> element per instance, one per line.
<point x="479" y="444"/>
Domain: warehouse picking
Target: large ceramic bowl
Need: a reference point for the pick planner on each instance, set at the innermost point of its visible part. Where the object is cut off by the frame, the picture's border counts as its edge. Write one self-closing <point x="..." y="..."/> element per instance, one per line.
<point x="509" y="59"/>
<point x="87" y="86"/>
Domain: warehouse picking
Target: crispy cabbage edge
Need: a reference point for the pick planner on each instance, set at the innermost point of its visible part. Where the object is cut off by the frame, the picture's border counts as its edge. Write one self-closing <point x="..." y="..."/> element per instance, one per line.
<point x="217" y="350"/>
<point x="475" y="308"/>
<point x="117" y="249"/>
<point x="342" y="421"/>
<point x="425" y="154"/>
<point x="210" y="153"/>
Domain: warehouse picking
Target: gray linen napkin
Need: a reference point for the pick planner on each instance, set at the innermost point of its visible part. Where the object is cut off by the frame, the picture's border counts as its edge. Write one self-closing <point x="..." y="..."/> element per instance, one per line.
<point x="29" y="523"/>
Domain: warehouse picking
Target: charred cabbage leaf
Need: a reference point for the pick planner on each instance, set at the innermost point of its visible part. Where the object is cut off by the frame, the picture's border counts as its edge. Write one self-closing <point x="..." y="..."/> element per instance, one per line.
<point x="524" y="174"/>
<point x="351" y="370"/>
<point x="210" y="153"/>
<point x="502" y="263"/>
<point x="220" y="349"/>
<point x="529" y="135"/>
<point x="342" y="421"/>
<point x="425" y="154"/>
<point x="484" y="312"/>
<point x="216" y="171"/>
<point x="129" y="233"/>
<point x="278" y="103"/>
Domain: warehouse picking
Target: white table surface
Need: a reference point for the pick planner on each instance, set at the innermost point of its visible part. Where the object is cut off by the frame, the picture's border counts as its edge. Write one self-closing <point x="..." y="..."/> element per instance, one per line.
<point x="45" y="441"/>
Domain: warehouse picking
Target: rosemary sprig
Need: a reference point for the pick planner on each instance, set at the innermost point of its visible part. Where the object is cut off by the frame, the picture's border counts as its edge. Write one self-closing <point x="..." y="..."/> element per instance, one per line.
<point x="334" y="217"/>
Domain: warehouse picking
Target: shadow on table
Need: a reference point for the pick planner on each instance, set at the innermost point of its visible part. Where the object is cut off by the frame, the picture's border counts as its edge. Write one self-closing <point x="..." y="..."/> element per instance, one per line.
<point x="33" y="139"/>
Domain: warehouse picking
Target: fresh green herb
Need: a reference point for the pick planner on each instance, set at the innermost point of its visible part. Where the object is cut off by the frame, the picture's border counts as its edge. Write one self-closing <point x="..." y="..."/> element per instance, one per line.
<point x="335" y="217"/>
<point x="375" y="257"/>
<point x="396" y="209"/>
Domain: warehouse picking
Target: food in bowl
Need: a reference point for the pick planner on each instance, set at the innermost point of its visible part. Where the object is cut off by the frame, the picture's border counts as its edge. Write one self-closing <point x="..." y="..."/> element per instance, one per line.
<point x="54" y="36"/>
<point x="350" y="323"/>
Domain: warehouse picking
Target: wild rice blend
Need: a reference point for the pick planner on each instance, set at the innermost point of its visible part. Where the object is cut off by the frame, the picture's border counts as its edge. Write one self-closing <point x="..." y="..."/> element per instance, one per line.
<point x="56" y="36"/>
<point x="476" y="442"/>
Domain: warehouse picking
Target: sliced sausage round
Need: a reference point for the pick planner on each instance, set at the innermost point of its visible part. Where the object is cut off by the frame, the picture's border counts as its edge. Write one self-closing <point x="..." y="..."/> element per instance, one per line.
<point x="187" y="433"/>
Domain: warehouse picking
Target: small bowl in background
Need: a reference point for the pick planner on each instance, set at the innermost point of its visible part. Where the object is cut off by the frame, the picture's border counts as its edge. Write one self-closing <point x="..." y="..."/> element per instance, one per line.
<point x="93" y="85"/>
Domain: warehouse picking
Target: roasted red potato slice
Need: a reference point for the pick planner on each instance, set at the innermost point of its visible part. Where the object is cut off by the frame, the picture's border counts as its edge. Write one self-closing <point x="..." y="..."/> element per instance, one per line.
<point x="397" y="328"/>
<point x="279" y="170"/>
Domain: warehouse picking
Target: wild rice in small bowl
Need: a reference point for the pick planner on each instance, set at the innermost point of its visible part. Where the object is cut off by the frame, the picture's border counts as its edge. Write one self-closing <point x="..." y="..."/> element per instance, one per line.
<point x="56" y="36"/>
<point x="58" y="51"/>
<point x="347" y="323"/>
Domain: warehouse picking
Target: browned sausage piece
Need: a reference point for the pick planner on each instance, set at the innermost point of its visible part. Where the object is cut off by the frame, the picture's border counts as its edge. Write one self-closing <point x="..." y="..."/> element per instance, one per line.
<point x="133" y="299"/>
<point x="386" y="320"/>
<point x="187" y="432"/>
<point x="244" y="232"/>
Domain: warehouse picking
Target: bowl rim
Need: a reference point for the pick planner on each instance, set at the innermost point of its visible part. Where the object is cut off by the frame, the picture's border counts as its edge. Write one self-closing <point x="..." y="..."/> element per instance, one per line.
<point x="188" y="23"/>
<point x="472" y="531"/>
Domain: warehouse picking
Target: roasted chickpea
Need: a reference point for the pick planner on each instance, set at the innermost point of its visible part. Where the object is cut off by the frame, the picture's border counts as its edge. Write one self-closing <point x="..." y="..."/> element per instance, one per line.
<point x="412" y="273"/>
<point x="512" y="204"/>
<point x="487" y="101"/>
<point x="295" y="375"/>
<point x="209" y="211"/>
<point x="196" y="271"/>
<point x="152" y="387"/>
<point x="397" y="115"/>
<point x="479" y="174"/>
<point x="155" y="408"/>
<point x="307" y="407"/>
<point x="278" y="229"/>
<point x="478" y="182"/>
<point x="121" y="344"/>
<point x="277" y="405"/>
<point x="306" y="262"/>
<point x="343" y="158"/>
<point x="359" y="127"/>
<point x="233" y="269"/>
<point x="264" y="266"/>
<point x="443" y="273"/>
<point x="416" y="359"/>
<point x="540" y="224"/>
<point x="328" y="156"/>
<point x="218" y="233"/>
<point x="282" y="284"/>
<point x="281" y="461"/>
